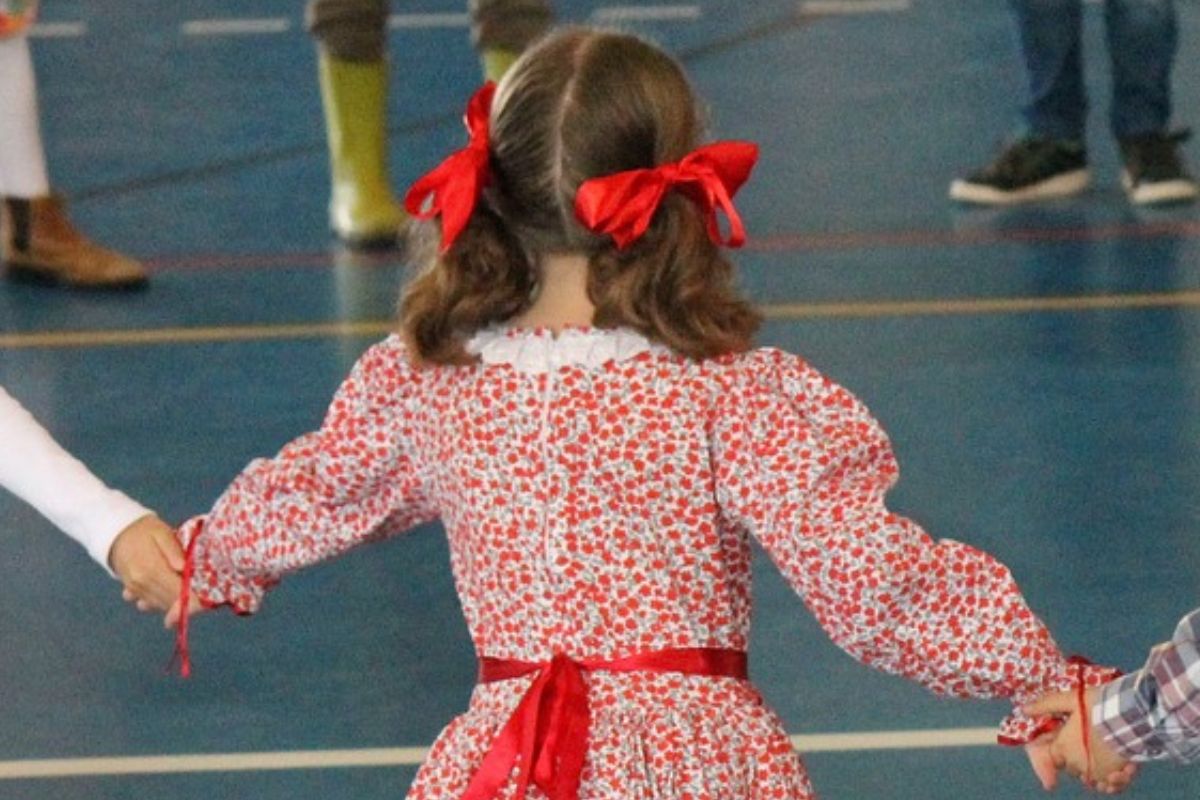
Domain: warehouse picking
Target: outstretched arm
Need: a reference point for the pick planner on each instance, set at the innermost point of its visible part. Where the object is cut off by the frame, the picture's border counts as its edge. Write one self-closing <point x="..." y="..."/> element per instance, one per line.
<point x="39" y="471"/>
<point x="358" y="477"/>
<point x="806" y="468"/>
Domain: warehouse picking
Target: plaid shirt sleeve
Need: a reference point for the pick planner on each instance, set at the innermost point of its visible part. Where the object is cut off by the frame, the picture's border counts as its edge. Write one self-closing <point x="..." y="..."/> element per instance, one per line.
<point x="1155" y="713"/>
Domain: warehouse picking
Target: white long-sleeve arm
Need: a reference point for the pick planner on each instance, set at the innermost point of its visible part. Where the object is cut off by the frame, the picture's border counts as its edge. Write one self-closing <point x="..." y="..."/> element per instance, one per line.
<point x="36" y="469"/>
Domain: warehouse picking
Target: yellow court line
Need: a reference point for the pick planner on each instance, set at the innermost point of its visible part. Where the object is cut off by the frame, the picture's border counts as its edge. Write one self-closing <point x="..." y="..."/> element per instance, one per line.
<point x="982" y="305"/>
<point x="412" y="756"/>
<point x="196" y="335"/>
<point x="774" y="311"/>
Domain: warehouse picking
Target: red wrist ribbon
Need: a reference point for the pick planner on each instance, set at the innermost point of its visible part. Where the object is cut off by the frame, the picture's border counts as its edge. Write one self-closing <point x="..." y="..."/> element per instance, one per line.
<point x="182" y="653"/>
<point x="1085" y="717"/>
<point x="546" y="738"/>
<point x="452" y="188"/>
<point x="623" y="205"/>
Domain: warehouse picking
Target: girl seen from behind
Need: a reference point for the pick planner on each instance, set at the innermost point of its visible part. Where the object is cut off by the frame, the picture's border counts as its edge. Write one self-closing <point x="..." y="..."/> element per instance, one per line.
<point x="573" y="393"/>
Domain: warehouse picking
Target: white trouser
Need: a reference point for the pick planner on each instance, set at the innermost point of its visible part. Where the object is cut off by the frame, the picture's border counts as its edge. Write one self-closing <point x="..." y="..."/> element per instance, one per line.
<point x="22" y="160"/>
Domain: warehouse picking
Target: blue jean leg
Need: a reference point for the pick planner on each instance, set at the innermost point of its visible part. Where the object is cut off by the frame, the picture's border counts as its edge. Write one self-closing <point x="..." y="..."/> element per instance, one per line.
<point x="1142" y="41"/>
<point x="1050" y="33"/>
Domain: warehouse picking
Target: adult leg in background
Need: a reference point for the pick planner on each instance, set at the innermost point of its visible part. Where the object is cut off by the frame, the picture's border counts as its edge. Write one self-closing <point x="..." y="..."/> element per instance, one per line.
<point x="37" y="240"/>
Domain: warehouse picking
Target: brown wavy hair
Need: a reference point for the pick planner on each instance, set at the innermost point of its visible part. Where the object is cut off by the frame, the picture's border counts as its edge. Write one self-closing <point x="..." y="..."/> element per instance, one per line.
<point x="578" y="105"/>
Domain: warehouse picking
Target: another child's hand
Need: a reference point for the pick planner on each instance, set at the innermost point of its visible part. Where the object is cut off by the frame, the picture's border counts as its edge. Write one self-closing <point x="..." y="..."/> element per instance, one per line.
<point x="1040" y="759"/>
<point x="1110" y="773"/>
<point x="148" y="559"/>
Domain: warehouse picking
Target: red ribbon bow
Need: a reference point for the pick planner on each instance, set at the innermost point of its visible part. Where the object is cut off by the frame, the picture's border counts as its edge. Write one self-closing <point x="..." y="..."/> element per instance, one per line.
<point x="623" y="205"/>
<point x="456" y="183"/>
<point x="546" y="737"/>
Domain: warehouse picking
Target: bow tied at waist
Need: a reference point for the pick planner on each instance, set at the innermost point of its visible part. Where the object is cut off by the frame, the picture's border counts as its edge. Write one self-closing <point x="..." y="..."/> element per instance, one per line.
<point x="546" y="738"/>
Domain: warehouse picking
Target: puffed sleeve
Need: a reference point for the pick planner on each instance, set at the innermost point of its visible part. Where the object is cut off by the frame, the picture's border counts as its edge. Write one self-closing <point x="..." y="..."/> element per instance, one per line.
<point x="356" y="478"/>
<point x="805" y="468"/>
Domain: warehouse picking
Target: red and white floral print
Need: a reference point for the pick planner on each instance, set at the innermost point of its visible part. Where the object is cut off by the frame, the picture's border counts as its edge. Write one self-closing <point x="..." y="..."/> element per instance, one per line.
<point x="600" y="494"/>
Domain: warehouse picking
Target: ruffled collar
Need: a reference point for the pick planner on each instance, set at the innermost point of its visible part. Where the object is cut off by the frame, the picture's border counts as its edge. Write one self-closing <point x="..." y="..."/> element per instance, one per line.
<point x="540" y="350"/>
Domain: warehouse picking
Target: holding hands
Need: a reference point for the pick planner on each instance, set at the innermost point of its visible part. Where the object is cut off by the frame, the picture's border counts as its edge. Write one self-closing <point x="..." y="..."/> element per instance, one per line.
<point x="1077" y="747"/>
<point x="148" y="560"/>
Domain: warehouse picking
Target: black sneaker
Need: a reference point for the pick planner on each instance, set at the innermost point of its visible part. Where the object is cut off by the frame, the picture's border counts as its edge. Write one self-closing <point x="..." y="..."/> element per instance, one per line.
<point x="1030" y="168"/>
<point x="1154" y="173"/>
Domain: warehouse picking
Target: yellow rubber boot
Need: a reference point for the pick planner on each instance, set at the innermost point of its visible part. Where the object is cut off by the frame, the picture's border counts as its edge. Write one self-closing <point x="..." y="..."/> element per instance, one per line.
<point x="496" y="62"/>
<point x="363" y="212"/>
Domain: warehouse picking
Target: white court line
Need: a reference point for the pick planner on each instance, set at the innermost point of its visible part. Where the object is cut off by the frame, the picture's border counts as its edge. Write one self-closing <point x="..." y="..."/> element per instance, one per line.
<point x="894" y="740"/>
<point x="58" y="30"/>
<point x="412" y="756"/>
<point x="235" y="27"/>
<point x="610" y="15"/>
<point x="854" y="6"/>
<point x="410" y="21"/>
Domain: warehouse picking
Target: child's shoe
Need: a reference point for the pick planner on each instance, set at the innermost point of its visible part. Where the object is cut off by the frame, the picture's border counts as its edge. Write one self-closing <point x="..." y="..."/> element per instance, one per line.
<point x="1032" y="168"/>
<point x="1154" y="173"/>
<point x="39" y="244"/>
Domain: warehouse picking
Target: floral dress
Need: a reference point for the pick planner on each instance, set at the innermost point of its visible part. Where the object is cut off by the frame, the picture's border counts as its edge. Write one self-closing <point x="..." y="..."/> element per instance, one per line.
<point x="600" y="493"/>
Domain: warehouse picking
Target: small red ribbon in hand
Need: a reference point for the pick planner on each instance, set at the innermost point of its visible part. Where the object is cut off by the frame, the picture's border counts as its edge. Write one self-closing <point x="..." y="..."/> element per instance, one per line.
<point x="182" y="652"/>
<point x="452" y="188"/>
<point x="623" y="205"/>
<point x="1085" y="719"/>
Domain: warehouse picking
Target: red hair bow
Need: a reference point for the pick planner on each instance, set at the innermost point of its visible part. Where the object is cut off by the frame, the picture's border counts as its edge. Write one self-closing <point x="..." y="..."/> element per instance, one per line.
<point x="456" y="183"/>
<point x="622" y="205"/>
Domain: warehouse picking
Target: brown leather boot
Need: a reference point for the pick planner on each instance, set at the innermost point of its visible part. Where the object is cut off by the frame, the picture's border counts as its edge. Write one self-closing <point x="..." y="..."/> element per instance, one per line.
<point x="40" y="245"/>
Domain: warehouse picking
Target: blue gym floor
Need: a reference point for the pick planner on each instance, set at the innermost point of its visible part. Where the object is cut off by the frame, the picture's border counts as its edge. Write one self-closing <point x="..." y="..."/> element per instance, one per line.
<point x="1038" y="369"/>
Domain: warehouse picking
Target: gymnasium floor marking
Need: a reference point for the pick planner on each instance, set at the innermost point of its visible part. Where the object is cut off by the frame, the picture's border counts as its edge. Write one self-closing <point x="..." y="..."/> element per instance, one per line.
<point x="982" y="305"/>
<point x="246" y="26"/>
<point x="616" y="15"/>
<point x="413" y="756"/>
<point x="792" y="20"/>
<point x="422" y="21"/>
<point x="58" y="30"/>
<point x="235" y="27"/>
<point x="829" y="7"/>
<point x="231" y="333"/>
<point x="772" y="243"/>
<point x="774" y="311"/>
<point x="791" y="242"/>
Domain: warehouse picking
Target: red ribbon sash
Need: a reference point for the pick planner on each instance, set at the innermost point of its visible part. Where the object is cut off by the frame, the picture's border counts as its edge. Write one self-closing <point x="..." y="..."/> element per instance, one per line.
<point x="546" y="736"/>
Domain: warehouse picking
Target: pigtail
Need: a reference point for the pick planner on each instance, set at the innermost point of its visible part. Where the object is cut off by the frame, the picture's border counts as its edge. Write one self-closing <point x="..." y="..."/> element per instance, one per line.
<point x="582" y="106"/>
<point x="484" y="278"/>
<point x="674" y="285"/>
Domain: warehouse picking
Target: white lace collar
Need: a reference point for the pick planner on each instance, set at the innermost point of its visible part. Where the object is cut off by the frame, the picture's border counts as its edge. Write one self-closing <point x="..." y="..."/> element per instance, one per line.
<point x="539" y="350"/>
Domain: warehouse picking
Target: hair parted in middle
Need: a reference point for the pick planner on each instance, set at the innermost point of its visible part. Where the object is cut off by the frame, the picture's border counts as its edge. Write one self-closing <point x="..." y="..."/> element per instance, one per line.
<point x="578" y="105"/>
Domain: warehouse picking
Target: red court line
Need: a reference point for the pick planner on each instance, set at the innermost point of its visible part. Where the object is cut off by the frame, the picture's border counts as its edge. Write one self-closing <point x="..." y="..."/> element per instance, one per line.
<point x="771" y="243"/>
<point x="317" y="259"/>
<point x="862" y="240"/>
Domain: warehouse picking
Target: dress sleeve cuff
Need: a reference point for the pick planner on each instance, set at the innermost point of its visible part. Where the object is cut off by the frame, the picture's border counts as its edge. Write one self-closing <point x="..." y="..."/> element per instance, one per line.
<point x="215" y="583"/>
<point x="1019" y="728"/>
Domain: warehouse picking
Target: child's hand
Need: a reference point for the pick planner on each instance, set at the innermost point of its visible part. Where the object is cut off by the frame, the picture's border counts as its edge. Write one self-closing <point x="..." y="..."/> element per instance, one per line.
<point x="1110" y="773"/>
<point x="1042" y="762"/>
<point x="172" y="617"/>
<point x="148" y="559"/>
